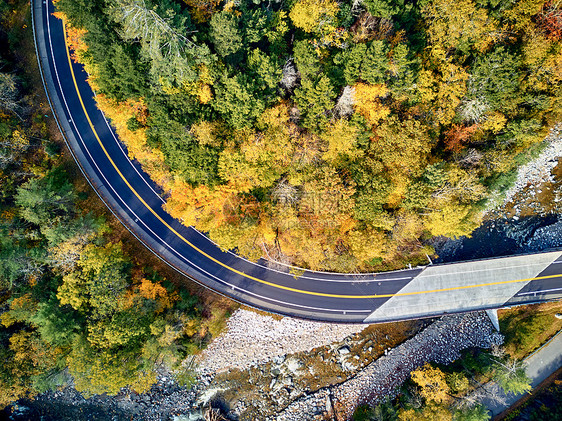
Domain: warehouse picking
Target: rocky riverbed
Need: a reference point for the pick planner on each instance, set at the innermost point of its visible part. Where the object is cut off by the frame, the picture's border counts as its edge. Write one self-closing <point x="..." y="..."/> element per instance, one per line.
<point x="262" y="390"/>
<point x="312" y="384"/>
<point x="441" y="342"/>
<point x="253" y="338"/>
<point x="526" y="220"/>
<point x="537" y="174"/>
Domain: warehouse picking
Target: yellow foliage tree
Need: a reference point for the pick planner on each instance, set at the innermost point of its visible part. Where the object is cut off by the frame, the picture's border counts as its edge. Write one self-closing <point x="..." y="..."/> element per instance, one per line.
<point x="431" y="412"/>
<point x="204" y="94"/>
<point x="98" y="371"/>
<point x="200" y="88"/>
<point x="19" y="140"/>
<point x="402" y="146"/>
<point x="242" y="236"/>
<point x="520" y="16"/>
<point x="493" y="122"/>
<point x="314" y="15"/>
<point x="64" y="255"/>
<point x="75" y="39"/>
<point x="195" y="205"/>
<point x="408" y="227"/>
<point x="261" y="157"/>
<point x="340" y="137"/>
<point x="246" y="169"/>
<point x="399" y="186"/>
<point x="274" y="117"/>
<point x="98" y="281"/>
<point x="71" y="291"/>
<point x="156" y="292"/>
<point x="367" y="244"/>
<point x="78" y="48"/>
<point x="152" y="160"/>
<point x="205" y="133"/>
<point x="544" y="61"/>
<point x="442" y="90"/>
<point x="458" y="24"/>
<point x="451" y="220"/>
<point x="367" y="102"/>
<point x="302" y="245"/>
<point x="327" y="198"/>
<point x="432" y="382"/>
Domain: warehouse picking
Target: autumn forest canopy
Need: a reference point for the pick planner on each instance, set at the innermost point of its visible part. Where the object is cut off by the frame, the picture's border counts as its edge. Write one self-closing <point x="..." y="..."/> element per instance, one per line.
<point x="80" y="304"/>
<point x="333" y="135"/>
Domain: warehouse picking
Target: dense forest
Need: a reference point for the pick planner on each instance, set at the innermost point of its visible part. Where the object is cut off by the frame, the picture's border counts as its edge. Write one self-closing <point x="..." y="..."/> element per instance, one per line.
<point x="332" y="135"/>
<point x="326" y="134"/>
<point x="75" y="307"/>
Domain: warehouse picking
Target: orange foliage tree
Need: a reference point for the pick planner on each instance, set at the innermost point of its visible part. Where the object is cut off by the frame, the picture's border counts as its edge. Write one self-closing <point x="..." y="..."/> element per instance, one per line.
<point x="457" y="136"/>
<point x="202" y="10"/>
<point x="550" y="19"/>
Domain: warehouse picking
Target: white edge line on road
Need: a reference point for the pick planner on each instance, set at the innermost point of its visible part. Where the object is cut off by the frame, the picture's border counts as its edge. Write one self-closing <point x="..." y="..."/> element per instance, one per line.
<point x="538" y="292"/>
<point x="148" y="228"/>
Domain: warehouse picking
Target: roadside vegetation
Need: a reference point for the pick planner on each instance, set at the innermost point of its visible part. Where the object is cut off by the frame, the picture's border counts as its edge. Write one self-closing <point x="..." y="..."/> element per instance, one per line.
<point x="526" y="328"/>
<point x="452" y="392"/>
<point x="544" y="405"/>
<point x="76" y="306"/>
<point x="331" y="135"/>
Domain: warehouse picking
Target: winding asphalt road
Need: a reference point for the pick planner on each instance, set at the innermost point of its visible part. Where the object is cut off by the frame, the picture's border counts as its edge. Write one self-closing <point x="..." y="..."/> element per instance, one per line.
<point x="360" y="298"/>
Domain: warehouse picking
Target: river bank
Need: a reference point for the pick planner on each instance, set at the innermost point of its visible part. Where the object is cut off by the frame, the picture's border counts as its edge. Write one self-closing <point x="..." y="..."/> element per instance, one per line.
<point x="527" y="219"/>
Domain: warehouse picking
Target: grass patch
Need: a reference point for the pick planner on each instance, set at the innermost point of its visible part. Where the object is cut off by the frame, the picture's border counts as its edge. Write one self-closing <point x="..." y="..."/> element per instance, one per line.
<point x="526" y="328"/>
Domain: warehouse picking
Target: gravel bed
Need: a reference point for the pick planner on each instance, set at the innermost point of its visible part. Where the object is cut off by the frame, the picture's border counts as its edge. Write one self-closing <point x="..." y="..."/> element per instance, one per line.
<point x="538" y="170"/>
<point x="441" y="342"/>
<point x="252" y="338"/>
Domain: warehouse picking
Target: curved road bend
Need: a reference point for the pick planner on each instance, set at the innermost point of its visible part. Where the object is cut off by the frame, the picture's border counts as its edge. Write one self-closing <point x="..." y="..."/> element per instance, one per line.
<point x="358" y="298"/>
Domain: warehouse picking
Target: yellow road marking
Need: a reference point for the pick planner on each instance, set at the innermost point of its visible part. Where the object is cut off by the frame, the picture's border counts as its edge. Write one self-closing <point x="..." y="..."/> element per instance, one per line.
<point x="470" y="286"/>
<point x="320" y="294"/>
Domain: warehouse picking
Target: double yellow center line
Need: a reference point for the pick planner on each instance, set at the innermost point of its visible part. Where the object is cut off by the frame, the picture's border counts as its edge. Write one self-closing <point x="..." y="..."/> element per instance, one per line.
<point x="253" y="278"/>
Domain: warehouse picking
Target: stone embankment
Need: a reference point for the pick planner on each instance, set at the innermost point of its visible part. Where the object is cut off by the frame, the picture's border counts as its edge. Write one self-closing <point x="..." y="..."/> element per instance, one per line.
<point x="441" y="342"/>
